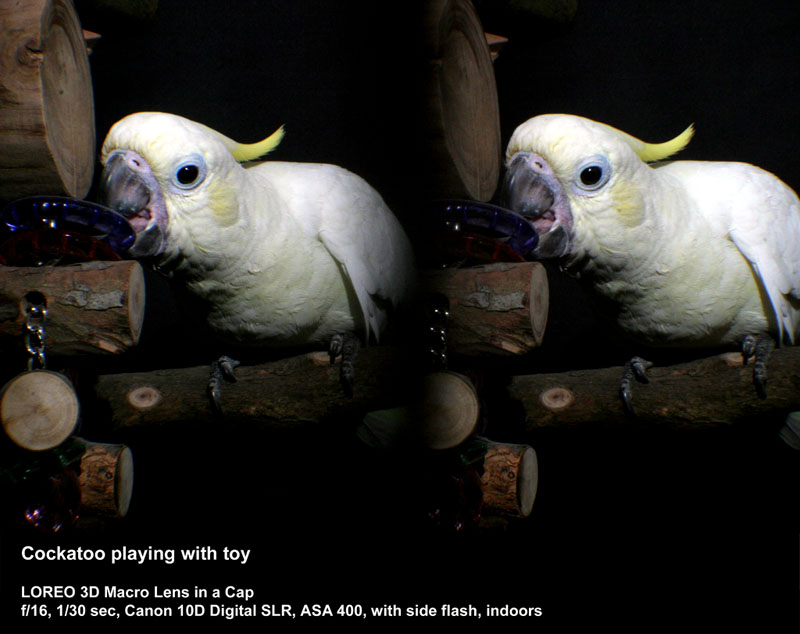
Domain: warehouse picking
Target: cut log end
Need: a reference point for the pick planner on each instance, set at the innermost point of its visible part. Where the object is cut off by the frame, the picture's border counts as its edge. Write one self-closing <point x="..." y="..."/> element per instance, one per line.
<point x="463" y="105"/>
<point x="449" y="410"/>
<point x="68" y="100"/>
<point x="539" y="301"/>
<point x="556" y="398"/>
<point x="46" y="101"/>
<point x="106" y="479"/>
<point x="510" y="478"/>
<point x="144" y="397"/>
<point x="39" y="409"/>
<point x="136" y="302"/>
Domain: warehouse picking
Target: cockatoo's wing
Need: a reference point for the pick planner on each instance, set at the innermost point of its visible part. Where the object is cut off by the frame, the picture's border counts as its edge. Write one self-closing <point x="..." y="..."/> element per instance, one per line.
<point x="761" y="216"/>
<point x="351" y="220"/>
<point x="765" y="226"/>
<point x="366" y="239"/>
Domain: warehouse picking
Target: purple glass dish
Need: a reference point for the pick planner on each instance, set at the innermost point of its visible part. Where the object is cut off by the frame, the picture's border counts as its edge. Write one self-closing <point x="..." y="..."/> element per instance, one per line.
<point x="490" y="220"/>
<point x="71" y="215"/>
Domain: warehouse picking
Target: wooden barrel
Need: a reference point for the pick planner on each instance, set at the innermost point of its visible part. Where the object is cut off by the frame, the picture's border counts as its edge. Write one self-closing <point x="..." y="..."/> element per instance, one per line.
<point x="47" y="133"/>
<point x="463" y="110"/>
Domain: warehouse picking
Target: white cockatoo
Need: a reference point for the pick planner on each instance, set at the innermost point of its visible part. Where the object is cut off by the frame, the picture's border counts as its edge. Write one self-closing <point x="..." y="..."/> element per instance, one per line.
<point x="689" y="253"/>
<point x="278" y="253"/>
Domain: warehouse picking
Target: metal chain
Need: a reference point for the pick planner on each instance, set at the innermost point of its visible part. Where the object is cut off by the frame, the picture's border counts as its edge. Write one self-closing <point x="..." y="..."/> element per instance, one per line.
<point x="35" y="318"/>
<point x="438" y="309"/>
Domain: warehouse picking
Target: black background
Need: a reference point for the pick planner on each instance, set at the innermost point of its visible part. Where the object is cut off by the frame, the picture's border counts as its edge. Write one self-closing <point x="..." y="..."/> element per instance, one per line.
<point x="632" y="527"/>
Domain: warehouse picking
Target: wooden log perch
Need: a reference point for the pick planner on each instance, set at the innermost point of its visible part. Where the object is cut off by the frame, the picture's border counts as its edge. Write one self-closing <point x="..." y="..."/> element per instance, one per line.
<point x="463" y="109"/>
<point x="510" y="478"/>
<point x="713" y="391"/>
<point x="47" y="132"/>
<point x="298" y="390"/>
<point x="39" y="410"/>
<point x="106" y="479"/>
<point x="495" y="309"/>
<point x="92" y="308"/>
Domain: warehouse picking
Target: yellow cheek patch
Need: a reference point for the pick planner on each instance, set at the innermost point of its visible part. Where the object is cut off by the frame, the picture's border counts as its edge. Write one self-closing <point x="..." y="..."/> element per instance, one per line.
<point x="224" y="203"/>
<point x="628" y="204"/>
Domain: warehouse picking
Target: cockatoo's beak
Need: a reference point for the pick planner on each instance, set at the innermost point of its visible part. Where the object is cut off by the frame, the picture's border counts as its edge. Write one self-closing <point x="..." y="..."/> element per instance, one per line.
<point x="532" y="190"/>
<point x="129" y="187"/>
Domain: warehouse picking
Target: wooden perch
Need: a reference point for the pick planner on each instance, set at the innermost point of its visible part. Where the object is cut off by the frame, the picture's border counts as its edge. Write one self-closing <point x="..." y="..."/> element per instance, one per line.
<point x="713" y="391"/>
<point x="92" y="308"/>
<point x="303" y="389"/>
<point x="495" y="309"/>
<point x="106" y="479"/>
<point x="510" y="478"/>
<point x="47" y="129"/>
<point x="39" y="410"/>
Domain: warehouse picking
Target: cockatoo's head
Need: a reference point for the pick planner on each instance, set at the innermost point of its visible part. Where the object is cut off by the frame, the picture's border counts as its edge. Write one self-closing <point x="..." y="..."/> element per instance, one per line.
<point x="580" y="182"/>
<point x="170" y="176"/>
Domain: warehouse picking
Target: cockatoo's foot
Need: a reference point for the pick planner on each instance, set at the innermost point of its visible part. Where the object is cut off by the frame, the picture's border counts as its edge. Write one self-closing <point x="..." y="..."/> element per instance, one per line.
<point x="346" y="344"/>
<point x="758" y="348"/>
<point x="223" y="369"/>
<point x="636" y="368"/>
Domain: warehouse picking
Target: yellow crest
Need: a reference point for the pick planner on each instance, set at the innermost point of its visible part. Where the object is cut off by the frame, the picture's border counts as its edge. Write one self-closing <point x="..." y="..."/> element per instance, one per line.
<point x="650" y="152"/>
<point x="251" y="151"/>
<point x="244" y="152"/>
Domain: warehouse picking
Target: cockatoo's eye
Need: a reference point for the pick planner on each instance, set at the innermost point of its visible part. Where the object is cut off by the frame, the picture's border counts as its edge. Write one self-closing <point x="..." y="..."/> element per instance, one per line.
<point x="187" y="174"/>
<point x="190" y="173"/>
<point x="593" y="173"/>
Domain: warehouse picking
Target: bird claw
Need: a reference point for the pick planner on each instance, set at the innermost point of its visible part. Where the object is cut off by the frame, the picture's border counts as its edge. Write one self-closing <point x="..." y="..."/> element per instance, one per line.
<point x="636" y="369"/>
<point x="347" y="345"/>
<point x="758" y="348"/>
<point x="223" y="369"/>
<point x="336" y="346"/>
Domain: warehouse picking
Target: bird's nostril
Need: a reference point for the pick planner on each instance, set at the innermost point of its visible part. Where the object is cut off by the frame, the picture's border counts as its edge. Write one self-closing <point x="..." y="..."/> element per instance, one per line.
<point x="519" y="158"/>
